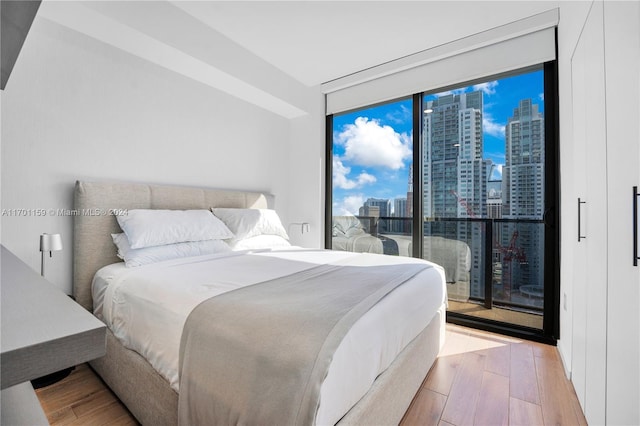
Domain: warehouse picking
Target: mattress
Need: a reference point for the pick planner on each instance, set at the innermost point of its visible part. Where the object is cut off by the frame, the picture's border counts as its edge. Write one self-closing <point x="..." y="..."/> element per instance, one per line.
<point x="146" y="308"/>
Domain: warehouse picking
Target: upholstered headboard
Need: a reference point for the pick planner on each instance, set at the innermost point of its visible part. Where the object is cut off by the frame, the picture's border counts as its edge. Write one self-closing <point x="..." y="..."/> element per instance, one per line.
<point x="96" y="203"/>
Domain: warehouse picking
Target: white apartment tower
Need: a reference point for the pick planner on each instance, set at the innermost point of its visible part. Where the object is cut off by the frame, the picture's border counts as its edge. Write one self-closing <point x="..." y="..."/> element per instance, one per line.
<point x="523" y="173"/>
<point x="455" y="176"/>
<point x="523" y="195"/>
<point x="401" y="225"/>
<point x="452" y="156"/>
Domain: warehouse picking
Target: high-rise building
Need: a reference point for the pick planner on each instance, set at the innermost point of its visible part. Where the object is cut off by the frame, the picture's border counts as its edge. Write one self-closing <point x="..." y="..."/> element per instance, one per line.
<point x="455" y="176"/>
<point x="401" y="222"/>
<point x="383" y="204"/>
<point x="374" y="209"/>
<point x="400" y="207"/>
<point x="523" y="197"/>
<point x="523" y="173"/>
<point x="369" y="211"/>
<point x="452" y="156"/>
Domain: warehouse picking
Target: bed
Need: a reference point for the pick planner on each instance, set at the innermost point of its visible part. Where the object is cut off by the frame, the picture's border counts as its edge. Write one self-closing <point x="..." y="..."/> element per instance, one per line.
<point x="148" y="394"/>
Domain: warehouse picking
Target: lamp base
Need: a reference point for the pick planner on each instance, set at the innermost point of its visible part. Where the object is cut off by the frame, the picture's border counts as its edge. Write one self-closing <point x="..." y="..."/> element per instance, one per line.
<point x="52" y="378"/>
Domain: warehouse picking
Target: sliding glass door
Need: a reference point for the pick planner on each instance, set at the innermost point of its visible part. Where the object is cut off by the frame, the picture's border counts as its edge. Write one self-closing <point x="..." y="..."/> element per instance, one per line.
<point x="465" y="178"/>
<point x="483" y="172"/>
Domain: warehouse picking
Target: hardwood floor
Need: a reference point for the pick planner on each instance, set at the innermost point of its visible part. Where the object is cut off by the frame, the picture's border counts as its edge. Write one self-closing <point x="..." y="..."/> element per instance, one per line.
<point x="83" y="399"/>
<point x="479" y="378"/>
<point x="482" y="378"/>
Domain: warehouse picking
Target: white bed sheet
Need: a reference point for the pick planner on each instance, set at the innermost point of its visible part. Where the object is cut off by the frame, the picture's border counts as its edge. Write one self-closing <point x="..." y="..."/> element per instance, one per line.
<point x="146" y="308"/>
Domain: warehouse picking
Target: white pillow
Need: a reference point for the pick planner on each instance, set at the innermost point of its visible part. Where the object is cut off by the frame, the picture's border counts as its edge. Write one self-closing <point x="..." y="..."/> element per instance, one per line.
<point x="148" y="228"/>
<point x="147" y="255"/>
<point x="247" y="223"/>
<point x="261" y="242"/>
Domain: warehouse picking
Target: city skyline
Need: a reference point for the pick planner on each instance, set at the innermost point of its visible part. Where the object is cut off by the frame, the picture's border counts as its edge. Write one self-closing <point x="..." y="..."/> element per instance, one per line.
<point x="372" y="147"/>
<point x="478" y="161"/>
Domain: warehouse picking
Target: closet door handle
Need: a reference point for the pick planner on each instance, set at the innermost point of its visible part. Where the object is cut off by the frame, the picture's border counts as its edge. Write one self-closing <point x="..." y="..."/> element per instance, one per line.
<point x="580" y="203"/>
<point x="635" y="226"/>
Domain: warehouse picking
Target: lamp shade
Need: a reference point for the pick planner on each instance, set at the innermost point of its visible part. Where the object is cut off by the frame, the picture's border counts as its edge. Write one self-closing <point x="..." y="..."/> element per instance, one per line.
<point x="50" y="242"/>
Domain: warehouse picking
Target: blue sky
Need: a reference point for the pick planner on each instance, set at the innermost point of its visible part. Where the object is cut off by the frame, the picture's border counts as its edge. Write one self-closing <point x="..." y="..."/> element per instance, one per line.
<point x="372" y="147"/>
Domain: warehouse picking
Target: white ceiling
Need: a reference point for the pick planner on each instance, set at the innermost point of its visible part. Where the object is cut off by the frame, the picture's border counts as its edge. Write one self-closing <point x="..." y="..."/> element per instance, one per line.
<point x="318" y="41"/>
<point x="291" y="44"/>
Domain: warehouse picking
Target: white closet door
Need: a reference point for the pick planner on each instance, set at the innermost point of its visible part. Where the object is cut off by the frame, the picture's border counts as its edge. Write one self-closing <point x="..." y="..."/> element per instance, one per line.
<point x="579" y="270"/>
<point x="622" y="70"/>
<point x="590" y="280"/>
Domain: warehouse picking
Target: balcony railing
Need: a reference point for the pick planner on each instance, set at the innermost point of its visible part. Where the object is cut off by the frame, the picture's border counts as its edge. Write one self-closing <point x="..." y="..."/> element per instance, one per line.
<point x="507" y="253"/>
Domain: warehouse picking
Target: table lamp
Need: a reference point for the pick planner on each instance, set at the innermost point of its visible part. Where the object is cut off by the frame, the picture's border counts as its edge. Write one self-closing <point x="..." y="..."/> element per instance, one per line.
<point x="50" y="243"/>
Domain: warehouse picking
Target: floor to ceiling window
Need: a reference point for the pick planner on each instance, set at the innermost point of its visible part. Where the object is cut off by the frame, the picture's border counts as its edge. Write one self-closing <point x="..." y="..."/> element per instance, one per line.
<point x="483" y="173"/>
<point x="485" y="180"/>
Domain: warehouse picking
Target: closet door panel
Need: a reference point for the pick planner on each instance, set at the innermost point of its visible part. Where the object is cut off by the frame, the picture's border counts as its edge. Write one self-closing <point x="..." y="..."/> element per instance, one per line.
<point x="590" y="283"/>
<point x="579" y="269"/>
<point x="622" y="69"/>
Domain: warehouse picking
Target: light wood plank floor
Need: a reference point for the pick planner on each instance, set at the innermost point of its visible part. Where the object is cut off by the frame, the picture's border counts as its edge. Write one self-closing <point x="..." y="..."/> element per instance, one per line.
<point x="479" y="378"/>
<point x="482" y="378"/>
<point x="82" y="398"/>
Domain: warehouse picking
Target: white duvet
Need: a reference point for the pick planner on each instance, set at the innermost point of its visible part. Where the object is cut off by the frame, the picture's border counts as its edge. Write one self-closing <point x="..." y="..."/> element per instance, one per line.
<point x="146" y="308"/>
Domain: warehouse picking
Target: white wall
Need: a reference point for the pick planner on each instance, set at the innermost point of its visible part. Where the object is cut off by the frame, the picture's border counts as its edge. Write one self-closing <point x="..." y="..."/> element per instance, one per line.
<point x="75" y="108"/>
<point x="307" y="175"/>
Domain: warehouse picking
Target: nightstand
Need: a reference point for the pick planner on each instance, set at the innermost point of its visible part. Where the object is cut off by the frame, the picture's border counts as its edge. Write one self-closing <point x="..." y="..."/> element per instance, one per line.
<point x="43" y="331"/>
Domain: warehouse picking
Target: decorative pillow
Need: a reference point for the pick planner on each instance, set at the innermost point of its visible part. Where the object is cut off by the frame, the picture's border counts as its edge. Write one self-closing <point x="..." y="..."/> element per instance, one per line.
<point x="247" y="223"/>
<point x="146" y="255"/>
<point x="261" y="242"/>
<point x="149" y="228"/>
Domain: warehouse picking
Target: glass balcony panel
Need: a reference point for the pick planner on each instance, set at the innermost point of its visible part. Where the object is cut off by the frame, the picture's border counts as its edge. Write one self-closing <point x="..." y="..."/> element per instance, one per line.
<point x="458" y="246"/>
<point x="518" y="265"/>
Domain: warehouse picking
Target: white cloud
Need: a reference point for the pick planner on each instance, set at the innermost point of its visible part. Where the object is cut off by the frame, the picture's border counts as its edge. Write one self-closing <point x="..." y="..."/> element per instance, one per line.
<point x="340" y="179"/>
<point x="349" y="206"/>
<point x="489" y="88"/>
<point x="541" y="96"/>
<point x="496" y="157"/>
<point x="399" y="116"/>
<point x="340" y="172"/>
<point x="369" y="144"/>
<point x="365" y="178"/>
<point x="452" y="92"/>
<point x="491" y="127"/>
<point x="496" y="172"/>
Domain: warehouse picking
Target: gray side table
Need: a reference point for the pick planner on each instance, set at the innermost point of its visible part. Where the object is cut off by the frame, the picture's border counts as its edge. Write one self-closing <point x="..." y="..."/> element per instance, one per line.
<point x="43" y="331"/>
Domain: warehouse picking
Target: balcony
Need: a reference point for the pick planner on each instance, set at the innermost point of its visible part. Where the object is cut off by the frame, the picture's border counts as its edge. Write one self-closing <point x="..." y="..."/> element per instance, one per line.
<point x="507" y="253"/>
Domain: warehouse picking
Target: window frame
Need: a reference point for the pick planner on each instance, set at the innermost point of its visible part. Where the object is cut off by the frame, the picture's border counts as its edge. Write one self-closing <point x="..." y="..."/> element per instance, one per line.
<point x="550" y="332"/>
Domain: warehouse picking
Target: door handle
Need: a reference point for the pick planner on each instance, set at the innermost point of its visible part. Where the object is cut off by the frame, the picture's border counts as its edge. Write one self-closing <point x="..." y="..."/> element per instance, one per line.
<point x="580" y="203"/>
<point x="635" y="226"/>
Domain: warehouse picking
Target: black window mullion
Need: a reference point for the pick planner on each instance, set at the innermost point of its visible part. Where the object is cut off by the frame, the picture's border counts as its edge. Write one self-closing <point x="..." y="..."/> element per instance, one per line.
<point x="328" y="197"/>
<point x="418" y="120"/>
<point x="551" y="316"/>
